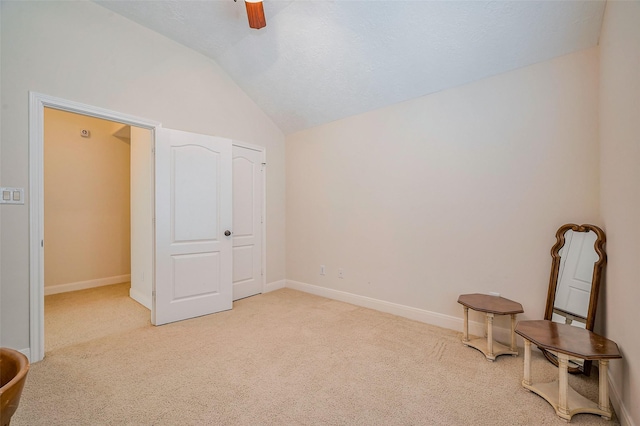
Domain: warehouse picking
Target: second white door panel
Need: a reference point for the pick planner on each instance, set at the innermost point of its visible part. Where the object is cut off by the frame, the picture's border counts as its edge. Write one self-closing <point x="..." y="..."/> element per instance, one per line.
<point x="247" y="222"/>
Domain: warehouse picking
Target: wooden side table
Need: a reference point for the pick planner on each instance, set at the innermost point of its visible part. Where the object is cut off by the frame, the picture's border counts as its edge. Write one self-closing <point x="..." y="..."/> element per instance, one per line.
<point x="491" y="305"/>
<point x="568" y="340"/>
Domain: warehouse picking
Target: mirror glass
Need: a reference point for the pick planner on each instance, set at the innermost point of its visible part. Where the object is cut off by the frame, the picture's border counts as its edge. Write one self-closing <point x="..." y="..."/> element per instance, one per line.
<point x="573" y="291"/>
<point x="578" y="258"/>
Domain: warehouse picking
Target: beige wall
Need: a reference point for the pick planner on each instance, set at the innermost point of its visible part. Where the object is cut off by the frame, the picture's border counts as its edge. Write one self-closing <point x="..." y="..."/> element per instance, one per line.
<point x="86" y="191"/>
<point x="82" y="52"/>
<point x="457" y="192"/>
<point x="620" y="162"/>
<point x="1" y="209"/>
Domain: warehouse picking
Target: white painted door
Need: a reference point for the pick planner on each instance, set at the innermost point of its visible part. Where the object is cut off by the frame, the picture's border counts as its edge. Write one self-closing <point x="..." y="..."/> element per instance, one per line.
<point x="247" y="222"/>
<point x="574" y="281"/>
<point x="193" y="261"/>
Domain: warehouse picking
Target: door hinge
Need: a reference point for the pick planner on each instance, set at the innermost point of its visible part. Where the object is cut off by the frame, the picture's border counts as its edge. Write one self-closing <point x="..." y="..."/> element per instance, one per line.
<point x="41" y="243"/>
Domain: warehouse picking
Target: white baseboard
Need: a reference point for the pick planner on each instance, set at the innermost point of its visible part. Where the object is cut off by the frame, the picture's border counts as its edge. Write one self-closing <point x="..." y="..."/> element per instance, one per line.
<point x="26" y="352"/>
<point x="140" y="297"/>
<point x="81" y="285"/>
<point x="275" y="285"/>
<point x="618" y="406"/>
<point x="428" y="317"/>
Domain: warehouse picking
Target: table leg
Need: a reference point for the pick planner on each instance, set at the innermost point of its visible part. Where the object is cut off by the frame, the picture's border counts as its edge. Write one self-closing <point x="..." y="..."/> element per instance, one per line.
<point x="466" y="325"/>
<point x="490" y="334"/>
<point x="513" y="333"/>
<point x="563" y="379"/>
<point x="603" y="386"/>
<point x="486" y="325"/>
<point x="527" y="363"/>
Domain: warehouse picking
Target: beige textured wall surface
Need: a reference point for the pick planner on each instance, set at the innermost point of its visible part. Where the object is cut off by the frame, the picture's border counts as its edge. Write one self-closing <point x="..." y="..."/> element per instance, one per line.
<point x="457" y="192"/>
<point x="86" y="192"/>
<point x="620" y="162"/>
<point x="1" y="208"/>
<point x="81" y="52"/>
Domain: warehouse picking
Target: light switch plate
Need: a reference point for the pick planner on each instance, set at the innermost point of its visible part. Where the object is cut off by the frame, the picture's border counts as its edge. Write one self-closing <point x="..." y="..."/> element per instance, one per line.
<point x="12" y="195"/>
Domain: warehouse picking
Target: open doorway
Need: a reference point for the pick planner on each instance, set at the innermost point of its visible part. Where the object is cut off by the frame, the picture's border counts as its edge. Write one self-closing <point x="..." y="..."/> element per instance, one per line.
<point x="178" y="159"/>
<point x="37" y="104"/>
<point x="98" y="232"/>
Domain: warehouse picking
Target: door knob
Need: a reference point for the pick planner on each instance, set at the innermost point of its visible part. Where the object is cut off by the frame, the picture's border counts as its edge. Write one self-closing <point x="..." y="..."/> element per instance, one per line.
<point x="227" y="232"/>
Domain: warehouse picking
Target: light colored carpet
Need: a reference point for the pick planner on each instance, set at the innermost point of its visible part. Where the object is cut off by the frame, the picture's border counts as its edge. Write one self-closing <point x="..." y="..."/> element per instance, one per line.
<point x="282" y="358"/>
<point x="85" y="315"/>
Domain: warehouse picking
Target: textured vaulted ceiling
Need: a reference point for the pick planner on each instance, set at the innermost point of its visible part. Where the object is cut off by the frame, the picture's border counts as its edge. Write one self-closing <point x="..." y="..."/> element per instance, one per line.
<point x="321" y="60"/>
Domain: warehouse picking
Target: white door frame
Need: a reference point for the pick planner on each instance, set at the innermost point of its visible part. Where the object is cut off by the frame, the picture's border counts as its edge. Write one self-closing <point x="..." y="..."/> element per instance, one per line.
<point x="263" y="170"/>
<point x="37" y="103"/>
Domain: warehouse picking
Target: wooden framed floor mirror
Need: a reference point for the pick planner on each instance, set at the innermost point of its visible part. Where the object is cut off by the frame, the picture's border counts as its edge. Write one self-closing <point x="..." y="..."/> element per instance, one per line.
<point x="578" y="260"/>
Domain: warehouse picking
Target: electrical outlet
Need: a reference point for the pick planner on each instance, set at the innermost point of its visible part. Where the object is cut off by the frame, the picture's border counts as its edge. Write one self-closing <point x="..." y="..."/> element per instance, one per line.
<point x="493" y="293"/>
<point x="340" y="273"/>
<point x="322" y="272"/>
